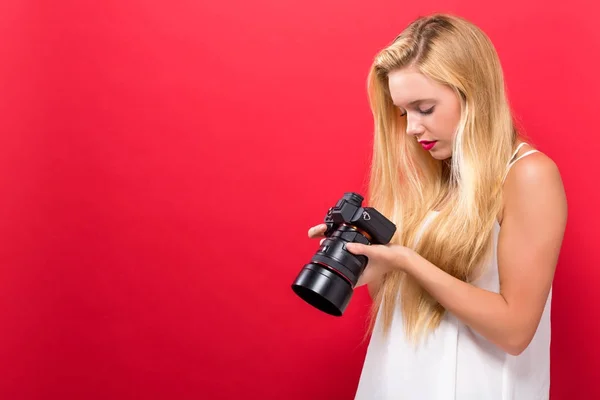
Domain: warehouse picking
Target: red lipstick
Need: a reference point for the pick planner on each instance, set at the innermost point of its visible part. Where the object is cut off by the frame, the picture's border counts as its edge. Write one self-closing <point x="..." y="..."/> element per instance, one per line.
<point x="428" y="144"/>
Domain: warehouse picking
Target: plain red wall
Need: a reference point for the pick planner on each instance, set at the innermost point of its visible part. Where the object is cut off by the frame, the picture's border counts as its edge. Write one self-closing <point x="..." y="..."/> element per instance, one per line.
<point x="161" y="162"/>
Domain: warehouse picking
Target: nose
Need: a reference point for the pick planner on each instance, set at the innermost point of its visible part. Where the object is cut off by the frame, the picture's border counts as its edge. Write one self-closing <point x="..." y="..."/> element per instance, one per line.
<point x="414" y="126"/>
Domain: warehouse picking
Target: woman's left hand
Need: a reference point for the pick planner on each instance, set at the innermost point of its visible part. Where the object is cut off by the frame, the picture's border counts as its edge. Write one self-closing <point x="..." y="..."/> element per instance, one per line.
<point x="382" y="257"/>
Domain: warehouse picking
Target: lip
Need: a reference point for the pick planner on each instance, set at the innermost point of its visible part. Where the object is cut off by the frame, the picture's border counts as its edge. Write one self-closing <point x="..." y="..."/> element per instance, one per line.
<point x="427" y="144"/>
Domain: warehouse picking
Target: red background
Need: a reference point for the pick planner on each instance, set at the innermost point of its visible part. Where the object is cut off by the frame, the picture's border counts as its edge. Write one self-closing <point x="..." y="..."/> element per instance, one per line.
<point x="161" y="162"/>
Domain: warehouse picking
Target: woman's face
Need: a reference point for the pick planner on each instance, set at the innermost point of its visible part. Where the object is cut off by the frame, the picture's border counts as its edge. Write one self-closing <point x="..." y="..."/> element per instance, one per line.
<point x="432" y="110"/>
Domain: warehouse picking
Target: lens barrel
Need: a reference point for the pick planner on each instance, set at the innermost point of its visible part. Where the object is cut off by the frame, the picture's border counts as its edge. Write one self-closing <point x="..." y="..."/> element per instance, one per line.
<point x="327" y="281"/>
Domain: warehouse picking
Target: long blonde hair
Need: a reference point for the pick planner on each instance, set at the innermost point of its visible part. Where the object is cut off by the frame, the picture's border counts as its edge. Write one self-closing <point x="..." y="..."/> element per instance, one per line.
<point x="406" y="183"/>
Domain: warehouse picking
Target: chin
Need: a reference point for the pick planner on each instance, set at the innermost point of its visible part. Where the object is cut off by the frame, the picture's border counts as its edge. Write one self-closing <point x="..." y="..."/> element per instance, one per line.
<point x="441" y="155"/>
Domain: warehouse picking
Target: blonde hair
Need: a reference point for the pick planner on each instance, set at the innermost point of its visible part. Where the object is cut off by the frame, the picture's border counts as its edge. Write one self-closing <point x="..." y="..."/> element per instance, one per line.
<point x="406" y="183"/>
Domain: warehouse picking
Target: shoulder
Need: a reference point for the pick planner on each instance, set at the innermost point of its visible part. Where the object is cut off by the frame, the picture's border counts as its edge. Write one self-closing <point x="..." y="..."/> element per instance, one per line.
<point x="534" y="182"/>
<point x="535" y="167"/>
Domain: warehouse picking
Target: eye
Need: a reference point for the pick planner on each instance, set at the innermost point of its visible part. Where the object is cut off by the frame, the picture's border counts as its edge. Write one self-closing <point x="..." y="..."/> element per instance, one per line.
<point x="428" y="111"/>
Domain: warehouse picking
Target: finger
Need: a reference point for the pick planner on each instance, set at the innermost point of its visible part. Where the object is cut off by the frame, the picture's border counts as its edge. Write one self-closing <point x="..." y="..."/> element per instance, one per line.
<point x="359" y="248"/>
<point x="317" y="230"/>
<point x="321" y="241"/>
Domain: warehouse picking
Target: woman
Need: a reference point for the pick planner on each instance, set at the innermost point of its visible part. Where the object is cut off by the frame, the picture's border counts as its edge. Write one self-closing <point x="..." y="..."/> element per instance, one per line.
<point x="462" y="294"/>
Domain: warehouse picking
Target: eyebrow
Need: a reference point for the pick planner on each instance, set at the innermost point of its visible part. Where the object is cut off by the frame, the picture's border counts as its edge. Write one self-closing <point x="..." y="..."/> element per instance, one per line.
<point x="417" y="102"/>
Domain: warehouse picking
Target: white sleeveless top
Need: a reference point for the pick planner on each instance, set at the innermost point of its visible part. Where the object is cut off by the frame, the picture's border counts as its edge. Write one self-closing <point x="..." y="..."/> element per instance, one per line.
<point x="455" y="362"/>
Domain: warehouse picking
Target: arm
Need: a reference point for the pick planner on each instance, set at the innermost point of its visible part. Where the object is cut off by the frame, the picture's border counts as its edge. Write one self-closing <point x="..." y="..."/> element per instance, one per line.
<point x="533" y="225"/>
<point x="372" y="278"/>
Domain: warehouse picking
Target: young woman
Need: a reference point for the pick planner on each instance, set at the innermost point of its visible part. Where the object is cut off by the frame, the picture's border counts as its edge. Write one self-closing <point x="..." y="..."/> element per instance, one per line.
<point x="462" y="294"/>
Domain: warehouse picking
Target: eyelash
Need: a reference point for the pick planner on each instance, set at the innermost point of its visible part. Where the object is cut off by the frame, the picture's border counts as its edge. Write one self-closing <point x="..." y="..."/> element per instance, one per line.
<point x="422" y="112"/>
<point x="428" y="111"/>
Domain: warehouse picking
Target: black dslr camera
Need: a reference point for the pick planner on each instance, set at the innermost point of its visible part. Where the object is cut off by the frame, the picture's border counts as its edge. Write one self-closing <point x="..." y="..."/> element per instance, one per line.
<point x="328" y="281"/>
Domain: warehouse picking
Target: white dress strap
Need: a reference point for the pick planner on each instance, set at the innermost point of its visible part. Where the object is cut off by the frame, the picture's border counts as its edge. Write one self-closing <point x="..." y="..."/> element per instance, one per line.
<point x="517" y="151"/>
<point x="512" y="162"/>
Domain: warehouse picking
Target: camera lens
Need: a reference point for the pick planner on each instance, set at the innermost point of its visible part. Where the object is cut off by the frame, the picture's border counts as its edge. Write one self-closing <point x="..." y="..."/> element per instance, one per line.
<point x="327" y="282"/>
<point x="323" y="289"/>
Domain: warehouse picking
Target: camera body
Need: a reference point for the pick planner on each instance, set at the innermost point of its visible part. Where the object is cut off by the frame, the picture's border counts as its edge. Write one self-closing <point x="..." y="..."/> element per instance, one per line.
<point x="327" y="282"/>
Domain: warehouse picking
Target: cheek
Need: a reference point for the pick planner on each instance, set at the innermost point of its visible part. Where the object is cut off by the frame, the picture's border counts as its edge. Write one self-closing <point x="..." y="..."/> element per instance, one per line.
<point x="445" y="126"/>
